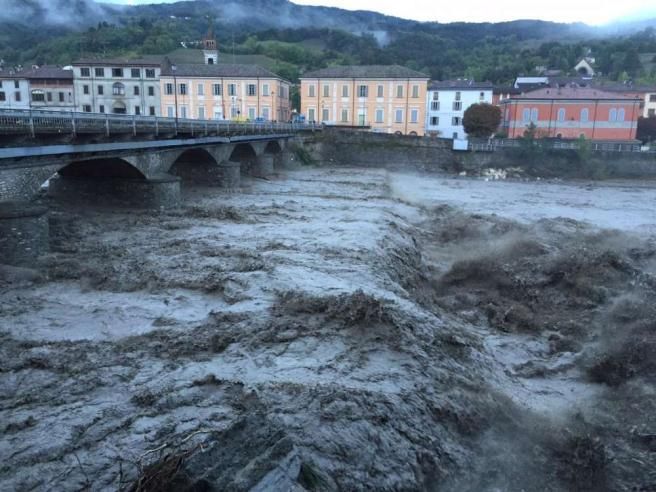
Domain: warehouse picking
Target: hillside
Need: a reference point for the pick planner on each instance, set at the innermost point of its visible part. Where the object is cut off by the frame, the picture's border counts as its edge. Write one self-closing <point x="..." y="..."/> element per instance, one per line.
<point x="295" y="38"/>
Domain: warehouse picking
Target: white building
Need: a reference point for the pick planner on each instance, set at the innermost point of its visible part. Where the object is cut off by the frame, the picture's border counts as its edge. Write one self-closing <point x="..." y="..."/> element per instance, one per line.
<point x="14" y="90"/>
<point x="117" y="86"/>
<point x="447" y="102"/>
<point x="650" y="104"/>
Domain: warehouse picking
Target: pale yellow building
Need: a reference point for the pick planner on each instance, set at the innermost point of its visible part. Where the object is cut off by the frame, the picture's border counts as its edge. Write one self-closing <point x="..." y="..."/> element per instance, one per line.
<point x="223" y="92"/>
<point x="389" y="99"/>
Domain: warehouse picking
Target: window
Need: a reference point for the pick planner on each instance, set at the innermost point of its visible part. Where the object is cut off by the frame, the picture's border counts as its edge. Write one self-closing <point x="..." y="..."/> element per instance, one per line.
<point x="137" y="110"/>
<point x="136" y="90"/>
<point x="435" y="120"/>
<point x="102" y="108"/>
<point x="99" y="71"/>
<point x="362" y="117"/>
<point x="612" y="115"/>
<point x="168" y="88"/>
<point x="620" y="114"/>
<point x="183" y="89"/>
<point x="151" y="111"/>
<point x="86" y="108"/>
<point x="18" y="96"/>
<point x="311" y="117"/>
<point x="216" y="89"/>
<point x="326" y="90"/>
<point x="363" y="91"/>
<point x="415" y="91"/>
<point x="265" y="89"/>
<point x="561" y="114"/>
<point x="345" y="117"/>
<point x="135" y="73"/>
<point x="38" y="96"/>
<point x="151" y="90"/>
<point x="101" y="90"/>
<point x="345" y="91"/>
<point x="436" y="96"/>
<point x="456" y="121"/>
<point x="183" y="111"/>
<point x="210" y="60"/>
<point x="481" y="96"/>
<point x="458" y="96"/>
<point x="457" y="105"/>
<point x="379" y="115"/>
<point x="650" y="112"/>
<point x="16" y="84"/>
<point x="49" y="96"/>
<point x="2" y="96"/>
<point x="170" y="111"/>
<point x="435" y="105"/>
<point x="325" y="114"/>
<point x="526" y="115"/>
<point x="380" y="91"/>
<point x="61" y="97"/>
<point x="265" y="114"/>
<point x="234" y="111"/>
<point x="652" y="98"/>
<point x="455" y="135"/>
<point x="399" y="91"/>
<point x="232" y="90"/>
<point x="85" y="72"/>
<point x="534" y="115"/>
<point x="201" y="113"/>
<point x="117" y="72"/>
<point x="118" y="89"/>
<point x="414" y="116"/>
<point x="150" y="73"/>
<point x="201" y="90"/>
<point x="398" y="116"/>
<point x="585" y="115"/>
<point x="311" y="91"/>
<point x="252" y="89"/>
<point x="85" y="89"/>
<point x="251" y="113"/>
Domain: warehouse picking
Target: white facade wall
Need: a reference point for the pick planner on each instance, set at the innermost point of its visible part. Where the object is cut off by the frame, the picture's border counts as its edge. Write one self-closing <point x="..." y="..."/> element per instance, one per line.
<point x="89" y="96"/>
<point x="14" y="93"/>
<point x="650" y="105"/>
<point x="446" y="120"/>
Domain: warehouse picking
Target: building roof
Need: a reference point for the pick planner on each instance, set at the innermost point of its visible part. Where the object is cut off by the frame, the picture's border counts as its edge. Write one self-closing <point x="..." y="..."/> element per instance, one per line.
<point x="571" y="93"/>
<point x="365" y="72"/>
<point x="506" y="89"/>
<point x="48" y="72"/>
<point x="119" y="62"/>
<point x="460" y="84"/>
<point x="12" y="74"/>
<point x="218" y="70"/>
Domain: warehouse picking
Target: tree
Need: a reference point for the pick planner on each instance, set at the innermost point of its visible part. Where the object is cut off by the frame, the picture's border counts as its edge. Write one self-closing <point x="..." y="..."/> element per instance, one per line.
<point x="481" y="120"/>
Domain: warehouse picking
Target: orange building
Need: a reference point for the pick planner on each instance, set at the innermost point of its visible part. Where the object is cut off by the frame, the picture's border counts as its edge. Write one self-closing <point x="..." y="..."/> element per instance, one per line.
<point x="572" y="112"/>
<point x="389" y="99"/>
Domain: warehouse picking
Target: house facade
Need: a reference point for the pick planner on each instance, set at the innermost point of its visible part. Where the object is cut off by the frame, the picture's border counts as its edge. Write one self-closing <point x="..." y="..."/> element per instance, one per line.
<point x="650" y="104"/>
<point x="51" y="88"/>
<point x="117" y="86"/>
<point x="572" y="112"/>
<point x="223" y="92"/>
<point x="14" y="90"/>
<point x="388" y="99"/>
<point x="447" y="102"/>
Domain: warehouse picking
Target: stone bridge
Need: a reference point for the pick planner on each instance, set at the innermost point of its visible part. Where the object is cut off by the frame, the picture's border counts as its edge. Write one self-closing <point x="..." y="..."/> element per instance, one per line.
<point x="131" y="168"/>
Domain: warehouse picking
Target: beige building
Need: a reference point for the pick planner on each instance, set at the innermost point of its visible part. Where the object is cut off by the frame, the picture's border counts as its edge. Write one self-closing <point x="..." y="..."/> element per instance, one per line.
<point x="223" y="92"/>
<point x="388" y="99"/>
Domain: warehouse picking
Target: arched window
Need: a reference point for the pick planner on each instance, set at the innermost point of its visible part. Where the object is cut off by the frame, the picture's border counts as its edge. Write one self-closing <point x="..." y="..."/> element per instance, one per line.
<point x="620" y="114"/>
<point x="585" y="115"/>
<point x="118" y="89"/>
<point x="38" y="96"/>
<point x="612" y="116"/>
<point x="534" y="115"/>
<point x="561" y="114"/>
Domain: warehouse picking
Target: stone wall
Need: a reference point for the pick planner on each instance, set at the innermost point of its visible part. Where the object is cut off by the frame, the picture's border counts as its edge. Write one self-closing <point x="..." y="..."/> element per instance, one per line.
<point x="23" y="233"/>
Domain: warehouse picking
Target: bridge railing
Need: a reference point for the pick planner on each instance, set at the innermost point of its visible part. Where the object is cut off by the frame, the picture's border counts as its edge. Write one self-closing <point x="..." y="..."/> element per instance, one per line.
<point x="40" y="122"/>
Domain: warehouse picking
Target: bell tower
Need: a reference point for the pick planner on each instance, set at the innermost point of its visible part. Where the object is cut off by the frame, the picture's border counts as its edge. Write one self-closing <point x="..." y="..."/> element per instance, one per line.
<point x="210" y="47"/>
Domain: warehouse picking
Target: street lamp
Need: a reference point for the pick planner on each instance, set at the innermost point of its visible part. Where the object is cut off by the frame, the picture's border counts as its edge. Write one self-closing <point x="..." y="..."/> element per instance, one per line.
<point x="175" y="92"/>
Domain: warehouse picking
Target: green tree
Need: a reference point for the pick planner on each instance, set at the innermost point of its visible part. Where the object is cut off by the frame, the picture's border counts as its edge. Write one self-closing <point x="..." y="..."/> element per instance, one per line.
<point x="481" y="120"/>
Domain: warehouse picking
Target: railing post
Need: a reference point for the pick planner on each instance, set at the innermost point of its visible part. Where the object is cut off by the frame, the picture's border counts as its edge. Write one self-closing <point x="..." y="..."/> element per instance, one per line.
<point x="175" y="126"/>
<point x="206" y="128"/>
<point x="156" y="127"/>
<point x="73" y="129"/>
<point x="106" y="125"/>
<point x="32" y="134"/>
<point x="134" y="125"/>
<point x="192" y="128"/>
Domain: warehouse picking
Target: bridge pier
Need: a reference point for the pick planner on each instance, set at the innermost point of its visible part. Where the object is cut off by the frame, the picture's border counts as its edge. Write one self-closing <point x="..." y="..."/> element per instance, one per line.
<point x="263" y="166"/>
<point x="230" y="174"/>
<point x="153" y="193"/>
<point x="24" y="233"/>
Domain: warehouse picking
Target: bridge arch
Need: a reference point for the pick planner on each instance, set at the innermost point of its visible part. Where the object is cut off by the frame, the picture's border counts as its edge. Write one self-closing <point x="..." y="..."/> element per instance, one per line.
<point x="243" y="153"/>
<point x="273" y="147"/>
<point x="101" y="168"/>
<point x="196" y="165"/>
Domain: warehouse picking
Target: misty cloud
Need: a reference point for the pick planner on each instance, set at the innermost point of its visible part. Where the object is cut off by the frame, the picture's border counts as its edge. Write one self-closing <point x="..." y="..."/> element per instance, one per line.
<point x="73" y="13"/>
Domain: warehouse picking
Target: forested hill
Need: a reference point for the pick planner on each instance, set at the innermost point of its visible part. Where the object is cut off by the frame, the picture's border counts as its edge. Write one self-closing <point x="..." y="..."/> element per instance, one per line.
<point x="290" y="38"/>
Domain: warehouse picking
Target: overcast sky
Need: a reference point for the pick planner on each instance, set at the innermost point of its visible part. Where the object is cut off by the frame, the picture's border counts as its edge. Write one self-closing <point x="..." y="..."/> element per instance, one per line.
<point x="594" y="12"/>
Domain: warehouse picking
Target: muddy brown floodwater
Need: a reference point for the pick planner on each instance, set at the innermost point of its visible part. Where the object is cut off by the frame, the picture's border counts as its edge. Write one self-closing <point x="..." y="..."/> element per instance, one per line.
<point x="338" y="329"/>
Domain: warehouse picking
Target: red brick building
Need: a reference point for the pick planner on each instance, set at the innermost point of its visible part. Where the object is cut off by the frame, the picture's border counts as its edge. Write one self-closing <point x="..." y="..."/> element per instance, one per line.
<point x="570" y="112"/>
